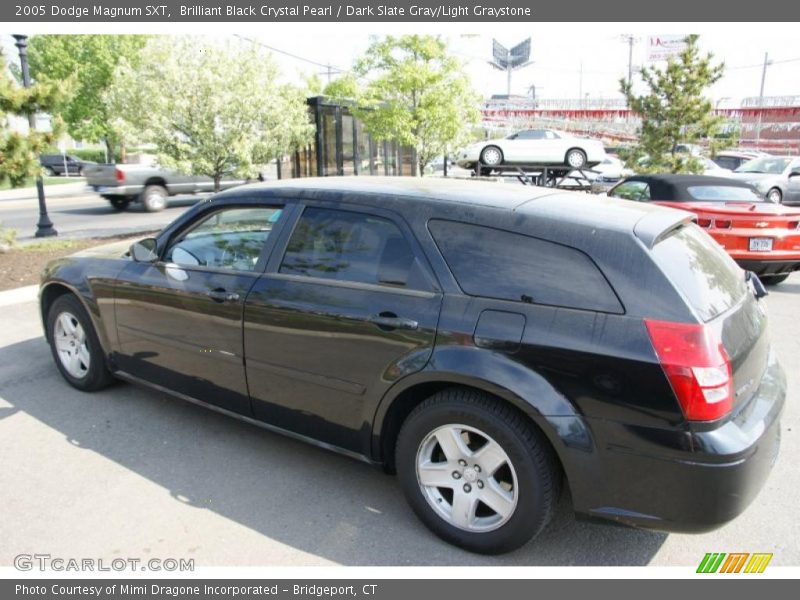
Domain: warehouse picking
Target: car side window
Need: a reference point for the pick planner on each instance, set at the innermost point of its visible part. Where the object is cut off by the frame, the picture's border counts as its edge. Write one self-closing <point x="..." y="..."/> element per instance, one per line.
<point x="226" y="239"/>
<point x="493" y="263"/>
<point x="351" y="246"/>
<point x="549" y="135"/>
<point x="632" y="190"/>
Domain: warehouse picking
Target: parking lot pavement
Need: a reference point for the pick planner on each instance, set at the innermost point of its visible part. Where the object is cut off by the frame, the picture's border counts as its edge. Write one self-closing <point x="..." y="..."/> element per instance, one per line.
<point x="133" y="473"/>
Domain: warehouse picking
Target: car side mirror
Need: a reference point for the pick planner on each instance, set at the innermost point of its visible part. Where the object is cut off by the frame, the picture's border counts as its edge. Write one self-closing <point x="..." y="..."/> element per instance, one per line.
<point x="144" y="250"/>
<point x="795" y="172"/>
<point x="759" y="291"/>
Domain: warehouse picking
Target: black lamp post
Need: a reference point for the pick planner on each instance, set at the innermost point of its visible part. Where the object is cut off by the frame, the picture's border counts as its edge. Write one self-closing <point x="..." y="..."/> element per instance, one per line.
<point x="44" y="228"/>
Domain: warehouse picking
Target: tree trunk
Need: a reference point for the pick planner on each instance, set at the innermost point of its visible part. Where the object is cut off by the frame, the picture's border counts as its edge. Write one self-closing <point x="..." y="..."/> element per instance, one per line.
<point x="109" y="150"/>
<point x="123" y="152"/>
<point x="217" y="182"/>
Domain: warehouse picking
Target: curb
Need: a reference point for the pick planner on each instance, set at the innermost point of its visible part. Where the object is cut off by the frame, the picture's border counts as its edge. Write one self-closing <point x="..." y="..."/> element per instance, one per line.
<point x="20" y="295"/>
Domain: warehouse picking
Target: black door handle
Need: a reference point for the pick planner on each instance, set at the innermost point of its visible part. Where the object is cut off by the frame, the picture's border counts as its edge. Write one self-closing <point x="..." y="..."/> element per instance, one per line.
<point x="221" y="295"/>
<point x="388" y="321"/>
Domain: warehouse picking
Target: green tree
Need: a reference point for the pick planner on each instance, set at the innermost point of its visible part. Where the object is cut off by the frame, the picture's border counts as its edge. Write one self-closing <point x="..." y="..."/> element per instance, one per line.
<point x="87" y="63"/>
<point x="415" y="93"/>
<point x="211" y="109"/>
<point x="19" y="152"/>
<point x="674" y="110"/>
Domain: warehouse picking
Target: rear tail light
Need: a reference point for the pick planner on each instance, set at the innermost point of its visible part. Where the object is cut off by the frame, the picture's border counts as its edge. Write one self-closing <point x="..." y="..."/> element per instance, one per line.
<point x="703" y="222"/>
<point x="697" y="366"/>
<point x="120" y="175"/>
<point x="722" y="224"/>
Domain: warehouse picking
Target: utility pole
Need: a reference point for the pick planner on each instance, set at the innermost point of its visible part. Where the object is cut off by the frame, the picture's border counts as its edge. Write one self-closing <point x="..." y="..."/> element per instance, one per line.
<point x="580" y="82"/>
<point x="44" y="228"/>
<point x="761" y="98"/>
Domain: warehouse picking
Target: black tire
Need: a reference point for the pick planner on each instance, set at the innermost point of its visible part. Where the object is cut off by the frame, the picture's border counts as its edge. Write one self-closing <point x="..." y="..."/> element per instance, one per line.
<point x="773" y="279"/>
<point x="154" y="198"/>
<point x="97" y="375"/>
<point x="494" y="156"/>
<point x="51" y="172"/>
<point x="528" y="453"/>
<point x="575" y="158"/>
<point x="775" y="195"/>
<point x="119" y="203"/>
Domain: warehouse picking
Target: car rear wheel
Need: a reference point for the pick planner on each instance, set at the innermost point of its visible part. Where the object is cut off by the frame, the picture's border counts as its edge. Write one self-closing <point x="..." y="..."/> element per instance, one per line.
<point x="491" y="156"/>
<point x="154" y="198"/>
<point x="773" y="279"/>
<point x="476" y="472"/>
<point x="575" y="158"/>
<point x="775" y="195"/>
<point x="74" y="345"/>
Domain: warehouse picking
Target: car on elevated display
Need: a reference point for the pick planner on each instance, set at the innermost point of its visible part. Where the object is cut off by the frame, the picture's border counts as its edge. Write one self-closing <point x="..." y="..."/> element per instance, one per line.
<point x="531" y="148"/>
<point x="491" y="344"/>
<point x="760" y="236"/>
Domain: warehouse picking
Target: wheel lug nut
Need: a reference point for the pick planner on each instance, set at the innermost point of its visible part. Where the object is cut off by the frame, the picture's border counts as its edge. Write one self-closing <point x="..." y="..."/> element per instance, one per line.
<point x="467" y="488"/>
<point x="462" y="462"/>
<point x="477" y="468"/>
<point x="456" y="475"/>
<point x="480" y="484"/>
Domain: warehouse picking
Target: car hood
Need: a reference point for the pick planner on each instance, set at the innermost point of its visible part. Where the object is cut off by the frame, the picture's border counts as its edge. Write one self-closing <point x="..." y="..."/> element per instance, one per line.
<point x="116" y="249"/>
<point x="754" y="177"/>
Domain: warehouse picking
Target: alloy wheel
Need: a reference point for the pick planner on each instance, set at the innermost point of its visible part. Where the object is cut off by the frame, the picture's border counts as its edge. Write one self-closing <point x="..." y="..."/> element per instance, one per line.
<point x="72" y="345"/>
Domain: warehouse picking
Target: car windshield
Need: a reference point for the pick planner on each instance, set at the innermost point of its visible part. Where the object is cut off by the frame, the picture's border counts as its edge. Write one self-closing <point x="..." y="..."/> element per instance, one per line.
<point x="723" y="193"/>
<point x="768" y="164"/>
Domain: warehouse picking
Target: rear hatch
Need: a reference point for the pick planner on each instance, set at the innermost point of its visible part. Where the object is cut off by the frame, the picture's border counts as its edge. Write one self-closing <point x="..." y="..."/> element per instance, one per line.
<point x="719" y="295"/>
<point x="101" y="175"/>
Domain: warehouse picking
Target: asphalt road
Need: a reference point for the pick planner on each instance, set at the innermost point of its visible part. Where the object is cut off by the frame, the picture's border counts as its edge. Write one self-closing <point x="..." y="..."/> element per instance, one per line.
<point x="88" y="215"/>
<point x="133" y="473"/>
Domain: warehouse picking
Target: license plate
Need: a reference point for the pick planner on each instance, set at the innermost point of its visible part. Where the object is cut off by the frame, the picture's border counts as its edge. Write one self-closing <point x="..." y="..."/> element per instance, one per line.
<point x="760" y="244"/>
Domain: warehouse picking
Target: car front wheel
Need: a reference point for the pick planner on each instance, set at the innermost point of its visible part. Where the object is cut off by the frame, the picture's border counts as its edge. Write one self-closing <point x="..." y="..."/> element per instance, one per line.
<point x="491" y="156"/>
<point x="75" y="346"/>
<point x="775" y="196"/>
<point x="476" y="471"/>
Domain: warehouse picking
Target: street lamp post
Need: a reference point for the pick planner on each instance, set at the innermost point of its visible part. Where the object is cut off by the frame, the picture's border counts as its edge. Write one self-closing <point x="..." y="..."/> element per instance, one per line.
<point x="44" y="228"/>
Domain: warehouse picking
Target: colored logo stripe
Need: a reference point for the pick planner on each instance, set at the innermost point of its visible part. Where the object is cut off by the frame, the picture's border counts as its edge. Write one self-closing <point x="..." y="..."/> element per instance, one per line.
<point x="714" y="562"/>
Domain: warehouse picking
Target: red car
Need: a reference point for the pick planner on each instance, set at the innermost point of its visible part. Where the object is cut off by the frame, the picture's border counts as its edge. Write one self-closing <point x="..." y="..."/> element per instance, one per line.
<point x="760" y="236"/>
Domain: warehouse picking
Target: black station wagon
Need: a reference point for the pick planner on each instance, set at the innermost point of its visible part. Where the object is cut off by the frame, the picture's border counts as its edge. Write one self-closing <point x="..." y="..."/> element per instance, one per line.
<point x="491" y="344"/>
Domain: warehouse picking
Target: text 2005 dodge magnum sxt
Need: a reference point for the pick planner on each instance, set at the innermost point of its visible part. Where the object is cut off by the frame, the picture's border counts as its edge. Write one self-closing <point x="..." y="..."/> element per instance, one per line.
<point x="490" y="344"/>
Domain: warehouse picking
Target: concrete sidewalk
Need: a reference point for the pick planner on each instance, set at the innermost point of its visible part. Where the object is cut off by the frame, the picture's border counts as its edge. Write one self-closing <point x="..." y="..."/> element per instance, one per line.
<point x="61" y="190"/>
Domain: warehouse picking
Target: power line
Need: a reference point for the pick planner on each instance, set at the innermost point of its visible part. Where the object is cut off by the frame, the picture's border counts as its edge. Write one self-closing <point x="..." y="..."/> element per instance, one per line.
<point x="291" y="55"/>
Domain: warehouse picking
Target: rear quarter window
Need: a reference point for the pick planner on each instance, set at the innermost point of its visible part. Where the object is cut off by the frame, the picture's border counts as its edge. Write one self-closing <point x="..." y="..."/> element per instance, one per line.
<point x="701" y="270"/>
<point x="493" y="263"/>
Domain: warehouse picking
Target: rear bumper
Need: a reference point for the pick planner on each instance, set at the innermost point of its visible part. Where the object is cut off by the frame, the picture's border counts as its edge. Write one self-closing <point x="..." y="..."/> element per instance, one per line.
<point x="117" y="190"/>
<point x="690" y="481"/>
<point x="770" y="267"/>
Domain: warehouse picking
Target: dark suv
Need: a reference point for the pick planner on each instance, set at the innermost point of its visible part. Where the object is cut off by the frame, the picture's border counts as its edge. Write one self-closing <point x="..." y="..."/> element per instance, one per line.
<point x="63" y="164"/>
<point x="490" y="343"/>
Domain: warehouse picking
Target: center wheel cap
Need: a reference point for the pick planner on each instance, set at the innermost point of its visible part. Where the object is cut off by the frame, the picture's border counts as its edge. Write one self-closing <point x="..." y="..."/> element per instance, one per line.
<point x="470" y="475"/>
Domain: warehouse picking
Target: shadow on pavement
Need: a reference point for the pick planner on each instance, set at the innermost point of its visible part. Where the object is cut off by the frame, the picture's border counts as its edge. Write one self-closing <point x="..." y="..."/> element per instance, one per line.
<point x="301" y="496"/>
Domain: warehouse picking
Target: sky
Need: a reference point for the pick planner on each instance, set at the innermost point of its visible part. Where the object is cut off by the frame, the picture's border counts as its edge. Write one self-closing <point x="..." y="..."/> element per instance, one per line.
<point x="569" y="59"/>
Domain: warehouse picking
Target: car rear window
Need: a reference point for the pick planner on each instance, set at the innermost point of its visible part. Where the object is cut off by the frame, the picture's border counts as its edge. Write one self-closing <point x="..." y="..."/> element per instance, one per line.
<point x="701" y="270"/>
<point x="493" y="263"/>
<point x="723" y="193"/>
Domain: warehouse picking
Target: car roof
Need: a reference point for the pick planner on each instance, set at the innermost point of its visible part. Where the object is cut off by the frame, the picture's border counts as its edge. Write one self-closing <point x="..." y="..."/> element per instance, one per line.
<point x="674" y="186"/>
<point x="520" y="207"/>
<point x="476" y="192"/>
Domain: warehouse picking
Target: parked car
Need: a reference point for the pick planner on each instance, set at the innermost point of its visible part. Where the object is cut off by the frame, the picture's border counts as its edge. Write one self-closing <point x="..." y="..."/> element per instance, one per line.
<point x="532" y="147"/>
<point x="489" y="343"/>
<point x="760" y="236"/>
<point x="733" y="159"/>
<point x="713" y="169"/>
<point x="777" y="177"/>
<point x="124" y="184"/>
<point x="63" y="164"/>
<point x="607" y="173"/>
